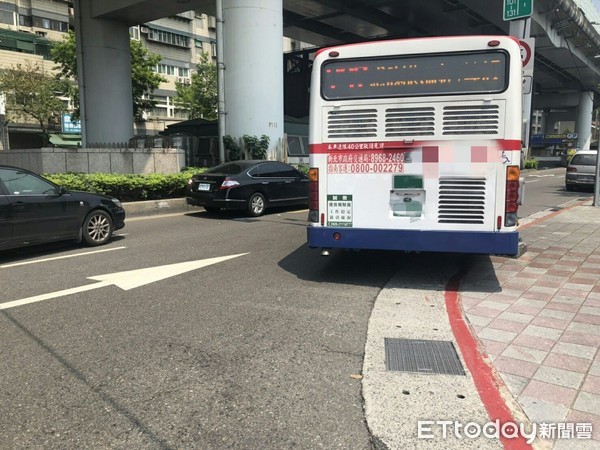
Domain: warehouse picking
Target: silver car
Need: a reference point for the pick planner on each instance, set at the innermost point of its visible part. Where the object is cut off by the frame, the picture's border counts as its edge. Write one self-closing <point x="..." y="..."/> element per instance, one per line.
<point x="581" y="170"/>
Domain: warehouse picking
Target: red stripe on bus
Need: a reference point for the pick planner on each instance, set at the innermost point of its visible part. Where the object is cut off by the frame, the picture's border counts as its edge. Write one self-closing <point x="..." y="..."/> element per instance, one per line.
<point x="316" y="149"/>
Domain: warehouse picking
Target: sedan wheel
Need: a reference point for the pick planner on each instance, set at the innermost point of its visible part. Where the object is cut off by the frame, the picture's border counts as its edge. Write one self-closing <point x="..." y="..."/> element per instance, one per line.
<point x="97" y="228"/>
<point x="256" y="205"/>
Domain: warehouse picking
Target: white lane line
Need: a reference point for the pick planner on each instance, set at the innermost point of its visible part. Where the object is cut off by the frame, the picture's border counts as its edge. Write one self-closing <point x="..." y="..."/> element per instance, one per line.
<point x="39" y="298"/>
<point x="6" y="266"/>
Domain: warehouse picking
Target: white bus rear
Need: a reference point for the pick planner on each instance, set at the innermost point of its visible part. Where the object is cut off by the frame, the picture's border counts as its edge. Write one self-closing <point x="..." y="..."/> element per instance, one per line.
<point x="415" y="145"/>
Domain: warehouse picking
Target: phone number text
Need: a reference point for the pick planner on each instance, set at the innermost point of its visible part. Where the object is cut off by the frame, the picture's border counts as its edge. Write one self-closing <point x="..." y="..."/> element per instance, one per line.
<point x="366" y="168"/>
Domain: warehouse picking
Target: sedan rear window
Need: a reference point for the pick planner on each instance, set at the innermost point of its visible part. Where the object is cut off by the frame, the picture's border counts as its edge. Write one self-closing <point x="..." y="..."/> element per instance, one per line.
<point x="584" y="160"/>
<point x="226" y="169"/>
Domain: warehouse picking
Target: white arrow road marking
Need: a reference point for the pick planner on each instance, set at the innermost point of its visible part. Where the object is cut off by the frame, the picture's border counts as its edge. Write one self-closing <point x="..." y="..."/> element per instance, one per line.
<point x="126" y="280"/>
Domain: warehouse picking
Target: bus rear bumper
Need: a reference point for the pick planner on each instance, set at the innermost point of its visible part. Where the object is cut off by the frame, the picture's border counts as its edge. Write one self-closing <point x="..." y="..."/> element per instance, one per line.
<point x="490" y="243"/>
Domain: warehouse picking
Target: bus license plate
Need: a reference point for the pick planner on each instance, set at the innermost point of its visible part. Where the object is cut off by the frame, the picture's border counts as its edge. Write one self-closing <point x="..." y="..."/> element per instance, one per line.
<point x="204" y="187"/>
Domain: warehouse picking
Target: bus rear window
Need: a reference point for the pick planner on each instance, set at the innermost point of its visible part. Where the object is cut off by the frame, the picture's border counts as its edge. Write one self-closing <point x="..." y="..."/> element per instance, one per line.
<point x="415" y="75"/>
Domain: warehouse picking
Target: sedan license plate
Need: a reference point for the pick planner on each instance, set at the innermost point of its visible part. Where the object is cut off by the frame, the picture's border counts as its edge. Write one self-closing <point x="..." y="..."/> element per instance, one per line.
<point x="204" y="187"/>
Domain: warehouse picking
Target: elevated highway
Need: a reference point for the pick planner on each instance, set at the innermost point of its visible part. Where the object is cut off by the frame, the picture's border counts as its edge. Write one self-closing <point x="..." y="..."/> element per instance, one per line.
<point x="567" y="44"/>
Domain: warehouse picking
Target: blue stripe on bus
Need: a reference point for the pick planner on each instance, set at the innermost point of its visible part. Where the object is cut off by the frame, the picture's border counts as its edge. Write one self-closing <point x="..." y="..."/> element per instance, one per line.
<point x="416" y="240"/>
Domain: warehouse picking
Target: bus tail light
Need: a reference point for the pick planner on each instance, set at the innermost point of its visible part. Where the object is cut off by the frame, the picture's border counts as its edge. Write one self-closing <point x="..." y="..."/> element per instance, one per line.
<point x="313" y="195"/>
<point x="512" y="196"/>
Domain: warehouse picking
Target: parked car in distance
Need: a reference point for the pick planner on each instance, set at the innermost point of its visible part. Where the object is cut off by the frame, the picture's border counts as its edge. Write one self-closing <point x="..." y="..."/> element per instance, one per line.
<point x="248" y="185"/>
<point x="581" y="170"/>
<point x="33" y="210"/>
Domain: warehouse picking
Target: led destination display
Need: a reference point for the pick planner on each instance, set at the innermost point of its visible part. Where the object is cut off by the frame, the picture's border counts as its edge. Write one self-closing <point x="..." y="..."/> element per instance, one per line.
<point x="457" y="73"/>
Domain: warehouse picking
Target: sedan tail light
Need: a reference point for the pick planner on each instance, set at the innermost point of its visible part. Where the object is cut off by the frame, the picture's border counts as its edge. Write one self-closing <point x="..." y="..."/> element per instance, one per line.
<point x="228" y="184"/>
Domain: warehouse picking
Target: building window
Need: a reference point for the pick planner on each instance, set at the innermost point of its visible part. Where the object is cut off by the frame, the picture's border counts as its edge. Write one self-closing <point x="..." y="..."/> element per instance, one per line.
<point x="183" y="72"/>
<point x="7" y="17"/>
<point x="134" y="33"/>
<point x="49" y="24"/>
<point x="167" y="37"/>
<point x="25" y="21"/>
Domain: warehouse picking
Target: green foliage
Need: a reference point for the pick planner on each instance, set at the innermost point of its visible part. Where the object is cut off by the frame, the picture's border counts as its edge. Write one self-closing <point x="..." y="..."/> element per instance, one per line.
<point x="255" y="147"/>
<point x="233" y="150"/>
<point x="128" y="187"/>
<point x="531" y="164"/>
<point x="199" y="97"/>
<point x="303" y="168"/>
<point x="143" y="79"/>
<point x="31" y="93"/>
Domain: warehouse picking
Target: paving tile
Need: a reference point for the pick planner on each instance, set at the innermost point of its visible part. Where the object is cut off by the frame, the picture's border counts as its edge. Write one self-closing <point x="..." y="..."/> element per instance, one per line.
<point x="516" y="317"/>
<point x="587" y="402"/>
<point x="559" y="377"/>
<point x="528" y="310"/>
<point x="525" y="353"/>
<point x="587" y="318"/>
<point x="503" y="298"/>
<point x="535" y="295"/>
<point x="594" y="311"/>
<point x="481" y="321"/>
<point x="496" y="335"/>
<point x="515" y="366"/>
<point x="584" y="328"/>
<point x="577" y="301"/>
<point x="592" y="301"/>
<point x="550" y="393"/>
<point x="562" y="306"/>
<point x="580" y="417"/>
<point x="507" y="325"/>
<point x="595" y="368"/>
<point x="550" y="322"/>
<point x="487" y="303"/>
<point x="534" y="342"/>
<point x="591" y="384"/>
<point x="580" y="351"/>
<point x="580" y="338"/>
<point x="571" y="292"/>
<point x="493" y="347"/>
<point x="556" y="314"/>
<point x="544" y="332"/>
<point x="540" y="411"/>
<point x="567" y="362"/>
<point x="485" y="312"/>
<point x="514" y="383"/>
<point x="551" y="281"/>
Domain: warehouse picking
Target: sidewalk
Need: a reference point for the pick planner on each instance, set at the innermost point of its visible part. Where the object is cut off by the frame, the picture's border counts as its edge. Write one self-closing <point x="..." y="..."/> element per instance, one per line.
<point x="541" y="326"/>
<point x="527" y="331"/>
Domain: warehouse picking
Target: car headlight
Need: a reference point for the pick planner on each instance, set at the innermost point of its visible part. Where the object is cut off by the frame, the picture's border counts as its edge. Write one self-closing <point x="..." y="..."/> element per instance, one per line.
<point x="117" y="202"/>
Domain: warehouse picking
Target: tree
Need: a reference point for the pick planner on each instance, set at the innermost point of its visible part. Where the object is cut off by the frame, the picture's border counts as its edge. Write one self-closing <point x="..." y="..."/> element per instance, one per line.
<point x="143" y="79"/>
<point x="199" y="97"/>
<point x="32" y="94"/>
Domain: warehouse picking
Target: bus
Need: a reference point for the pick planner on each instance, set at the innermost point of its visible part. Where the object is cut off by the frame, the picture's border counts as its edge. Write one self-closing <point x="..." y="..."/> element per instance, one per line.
<point x="415" y="145"/>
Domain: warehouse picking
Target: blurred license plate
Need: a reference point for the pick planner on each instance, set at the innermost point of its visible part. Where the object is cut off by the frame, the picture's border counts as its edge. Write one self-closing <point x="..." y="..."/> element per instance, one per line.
<point x="204" y="187"/>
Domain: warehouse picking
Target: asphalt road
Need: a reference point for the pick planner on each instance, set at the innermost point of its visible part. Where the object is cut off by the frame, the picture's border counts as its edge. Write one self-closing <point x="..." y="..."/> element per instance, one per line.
<point x="257" y="351"/>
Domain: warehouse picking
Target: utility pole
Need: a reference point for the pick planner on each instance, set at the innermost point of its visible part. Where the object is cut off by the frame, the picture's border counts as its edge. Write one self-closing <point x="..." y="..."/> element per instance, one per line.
<point x="221" y="110"/>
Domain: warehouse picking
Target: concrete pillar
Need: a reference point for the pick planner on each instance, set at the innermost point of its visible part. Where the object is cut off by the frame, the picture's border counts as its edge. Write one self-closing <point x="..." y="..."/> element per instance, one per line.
<point x="104" y="66"/>
<point x="253" y="57"/>
<point x="583" y="126"/>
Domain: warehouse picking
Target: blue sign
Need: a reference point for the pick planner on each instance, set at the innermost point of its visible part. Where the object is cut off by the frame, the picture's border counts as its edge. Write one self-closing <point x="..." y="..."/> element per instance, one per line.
<point x="70" y="126"/>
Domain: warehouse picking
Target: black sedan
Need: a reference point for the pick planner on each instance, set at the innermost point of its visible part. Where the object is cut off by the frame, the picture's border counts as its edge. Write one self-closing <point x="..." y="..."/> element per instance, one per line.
<point x="34" y="210"/>
<point x="248" y="185"/>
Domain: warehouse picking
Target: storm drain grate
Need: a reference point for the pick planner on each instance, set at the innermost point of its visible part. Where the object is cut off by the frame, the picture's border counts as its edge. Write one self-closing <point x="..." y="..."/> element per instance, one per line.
<point x="420" y="356"/>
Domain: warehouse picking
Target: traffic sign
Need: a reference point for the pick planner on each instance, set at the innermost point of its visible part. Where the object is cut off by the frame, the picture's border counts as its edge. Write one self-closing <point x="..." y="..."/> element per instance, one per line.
<point x="517" y="9"/>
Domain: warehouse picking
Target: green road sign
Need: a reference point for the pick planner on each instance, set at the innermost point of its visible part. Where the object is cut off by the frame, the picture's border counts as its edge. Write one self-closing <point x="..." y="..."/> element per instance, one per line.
<point x="517" y="9"/>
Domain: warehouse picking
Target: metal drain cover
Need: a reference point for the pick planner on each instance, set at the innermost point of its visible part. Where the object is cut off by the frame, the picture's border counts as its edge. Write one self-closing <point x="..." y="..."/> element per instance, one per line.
<point x="420" y="356"/>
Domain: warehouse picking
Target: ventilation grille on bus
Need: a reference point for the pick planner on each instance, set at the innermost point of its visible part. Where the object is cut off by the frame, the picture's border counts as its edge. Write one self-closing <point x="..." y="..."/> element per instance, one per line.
<point x="409" y="122"/>
<point x="477" y="119"/>
<point x="461" y="200"/>
<point x="352" y="123"/>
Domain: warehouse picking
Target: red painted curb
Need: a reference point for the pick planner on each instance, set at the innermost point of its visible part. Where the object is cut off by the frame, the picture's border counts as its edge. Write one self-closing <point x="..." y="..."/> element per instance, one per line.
<point x="486" y="382"/>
